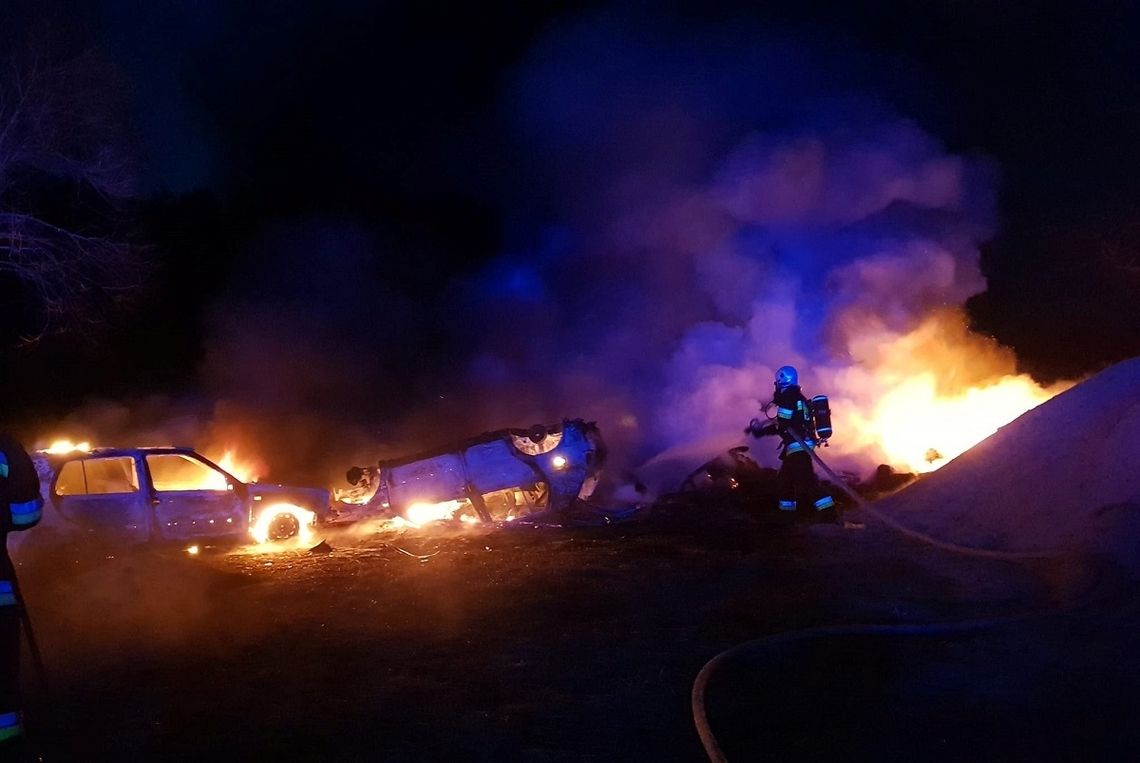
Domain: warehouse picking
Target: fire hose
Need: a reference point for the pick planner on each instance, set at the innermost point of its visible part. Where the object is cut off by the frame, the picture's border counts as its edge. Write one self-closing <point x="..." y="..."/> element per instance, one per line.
<point x="700" y="684"/>
<point x="839" y="482"/>
<point x="918" y="535"/>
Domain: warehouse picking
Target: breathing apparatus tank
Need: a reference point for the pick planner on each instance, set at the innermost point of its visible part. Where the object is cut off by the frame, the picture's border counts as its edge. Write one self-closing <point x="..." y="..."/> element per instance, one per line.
<point x="821" y="413"/>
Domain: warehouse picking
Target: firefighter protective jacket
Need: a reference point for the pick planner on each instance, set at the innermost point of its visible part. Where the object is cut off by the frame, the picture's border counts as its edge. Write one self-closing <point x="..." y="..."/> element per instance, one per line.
<point x="20" y="507"/>
<point x="21" y="504"/>
<point x="793" y="415"/>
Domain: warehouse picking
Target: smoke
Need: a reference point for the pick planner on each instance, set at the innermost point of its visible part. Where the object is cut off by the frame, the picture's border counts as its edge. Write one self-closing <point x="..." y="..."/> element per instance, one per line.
<point x="714" y="205"/>
<point x="684" y="209"/>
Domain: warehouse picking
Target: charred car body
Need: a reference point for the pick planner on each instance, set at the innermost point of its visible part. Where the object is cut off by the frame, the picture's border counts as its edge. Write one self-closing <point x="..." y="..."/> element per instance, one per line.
<point x="497" y="476"/>
<point x="140" y="495"/>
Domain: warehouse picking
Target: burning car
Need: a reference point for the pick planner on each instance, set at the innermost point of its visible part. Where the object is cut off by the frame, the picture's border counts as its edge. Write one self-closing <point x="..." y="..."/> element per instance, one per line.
<point x="497" y="476"/>
<point x="138" y="495"/>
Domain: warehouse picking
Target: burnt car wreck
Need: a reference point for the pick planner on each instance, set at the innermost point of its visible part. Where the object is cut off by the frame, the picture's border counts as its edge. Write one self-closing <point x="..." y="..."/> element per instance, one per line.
<point x="499" y="476"/>
<point x="174" y="494"/>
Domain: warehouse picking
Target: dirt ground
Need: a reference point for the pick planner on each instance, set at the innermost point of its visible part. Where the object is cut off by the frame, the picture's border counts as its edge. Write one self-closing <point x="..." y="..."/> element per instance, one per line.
<point x="506" y="644"/>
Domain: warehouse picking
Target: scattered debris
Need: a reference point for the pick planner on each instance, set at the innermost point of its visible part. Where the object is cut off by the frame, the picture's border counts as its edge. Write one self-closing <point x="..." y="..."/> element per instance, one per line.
<point x="420" y="557"/>
<point x="321" y="548"/>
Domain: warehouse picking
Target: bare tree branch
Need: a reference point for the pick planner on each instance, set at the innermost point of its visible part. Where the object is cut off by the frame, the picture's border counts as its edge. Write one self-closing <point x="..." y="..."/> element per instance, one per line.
<point x="61" y="127"/>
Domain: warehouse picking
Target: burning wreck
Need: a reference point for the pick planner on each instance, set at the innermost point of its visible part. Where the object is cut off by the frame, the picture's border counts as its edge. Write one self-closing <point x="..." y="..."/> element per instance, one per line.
<point x="139" y="495"/>
<point x="498" y="476"/>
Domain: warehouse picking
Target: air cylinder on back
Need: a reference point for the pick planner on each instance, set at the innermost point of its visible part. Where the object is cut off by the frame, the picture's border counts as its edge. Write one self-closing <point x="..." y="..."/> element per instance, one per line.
<point x="821" y="412"/>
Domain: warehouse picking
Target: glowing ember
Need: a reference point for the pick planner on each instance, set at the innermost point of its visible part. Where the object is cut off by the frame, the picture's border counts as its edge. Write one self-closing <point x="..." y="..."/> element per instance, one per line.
<point x="60" y="447"/>
<point x="192" y="550"/>
<point x="422" y="513"/>
<point x="283" y="521"/>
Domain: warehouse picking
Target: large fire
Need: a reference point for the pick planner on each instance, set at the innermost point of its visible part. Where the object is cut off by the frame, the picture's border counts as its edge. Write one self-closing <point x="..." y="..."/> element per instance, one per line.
<point x="919" y="399"/>
<point x="920" y="429"/>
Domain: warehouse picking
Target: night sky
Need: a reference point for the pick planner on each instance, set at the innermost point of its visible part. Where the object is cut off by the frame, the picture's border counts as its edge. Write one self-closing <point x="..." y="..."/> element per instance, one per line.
<point x="367" y="165"/>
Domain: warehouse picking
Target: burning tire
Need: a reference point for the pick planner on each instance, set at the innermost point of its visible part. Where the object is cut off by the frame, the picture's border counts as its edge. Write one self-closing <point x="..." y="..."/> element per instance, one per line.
<point x="282" y="522"/>
<point x="283" y="526"/>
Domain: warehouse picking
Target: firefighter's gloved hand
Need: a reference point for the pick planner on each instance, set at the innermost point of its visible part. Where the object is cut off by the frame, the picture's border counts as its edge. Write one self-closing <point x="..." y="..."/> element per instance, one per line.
<point x="757" y="428"/>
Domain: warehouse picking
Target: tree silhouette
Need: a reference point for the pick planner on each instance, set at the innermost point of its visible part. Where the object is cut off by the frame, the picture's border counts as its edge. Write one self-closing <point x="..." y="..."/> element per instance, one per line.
<point x="64" y="181"/>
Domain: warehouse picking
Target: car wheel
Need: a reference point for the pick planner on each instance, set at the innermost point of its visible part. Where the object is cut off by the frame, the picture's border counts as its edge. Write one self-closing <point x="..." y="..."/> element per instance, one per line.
<point x="283" y="527"/>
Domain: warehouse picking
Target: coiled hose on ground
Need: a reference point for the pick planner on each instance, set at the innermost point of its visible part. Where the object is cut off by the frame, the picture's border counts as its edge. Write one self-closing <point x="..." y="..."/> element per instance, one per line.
<point x="700" y="685"/>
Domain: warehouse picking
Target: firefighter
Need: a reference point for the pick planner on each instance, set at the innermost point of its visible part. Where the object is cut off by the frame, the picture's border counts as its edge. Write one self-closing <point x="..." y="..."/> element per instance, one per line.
<point x="794" y="425"/>
<point x="20" y="508"/>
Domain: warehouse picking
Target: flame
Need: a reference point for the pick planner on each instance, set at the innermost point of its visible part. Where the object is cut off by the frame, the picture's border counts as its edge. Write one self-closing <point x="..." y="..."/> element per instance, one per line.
<point x="920" y="429"/>
<point x="245" y="469"/>
<point x="304" y="518"/>
<point x="919" y="399"/>
<point x="422" y="513"/>
<point x="60" y="447"/>
<point x="199" y="478"/>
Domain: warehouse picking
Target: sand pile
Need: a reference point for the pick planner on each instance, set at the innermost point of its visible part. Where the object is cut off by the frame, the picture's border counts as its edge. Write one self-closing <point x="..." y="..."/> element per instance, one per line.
<point x="1064" y="478"/>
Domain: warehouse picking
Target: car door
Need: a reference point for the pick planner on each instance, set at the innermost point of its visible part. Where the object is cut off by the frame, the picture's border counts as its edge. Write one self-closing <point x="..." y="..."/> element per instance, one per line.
<point x="193" y="498"/>
<point x="101" y="496"/>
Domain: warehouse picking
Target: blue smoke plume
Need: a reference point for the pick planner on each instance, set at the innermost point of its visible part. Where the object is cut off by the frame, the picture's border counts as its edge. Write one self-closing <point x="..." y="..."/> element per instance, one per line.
<point x="700" y="207"/>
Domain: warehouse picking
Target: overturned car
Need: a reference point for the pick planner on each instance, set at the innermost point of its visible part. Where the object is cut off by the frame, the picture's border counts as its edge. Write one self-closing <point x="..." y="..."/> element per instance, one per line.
<point x="140" y="495"/>
<point x="498" y="476"/>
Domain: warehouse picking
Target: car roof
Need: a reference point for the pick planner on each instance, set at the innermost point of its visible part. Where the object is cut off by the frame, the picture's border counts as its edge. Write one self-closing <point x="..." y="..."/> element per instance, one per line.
<point x="53" y="462"/>
<point x="77" y="455"/>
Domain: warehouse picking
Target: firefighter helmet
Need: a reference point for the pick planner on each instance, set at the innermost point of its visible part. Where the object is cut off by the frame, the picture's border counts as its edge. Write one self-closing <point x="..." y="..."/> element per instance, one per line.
<point x="786" y="377"/>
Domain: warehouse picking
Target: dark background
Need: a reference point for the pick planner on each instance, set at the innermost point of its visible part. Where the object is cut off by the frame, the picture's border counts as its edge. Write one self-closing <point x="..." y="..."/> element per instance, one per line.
<point x="246" y="118"/>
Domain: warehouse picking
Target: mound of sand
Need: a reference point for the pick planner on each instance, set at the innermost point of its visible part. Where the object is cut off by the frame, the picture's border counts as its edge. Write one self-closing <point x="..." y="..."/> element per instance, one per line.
<point x="1062" y="478"/>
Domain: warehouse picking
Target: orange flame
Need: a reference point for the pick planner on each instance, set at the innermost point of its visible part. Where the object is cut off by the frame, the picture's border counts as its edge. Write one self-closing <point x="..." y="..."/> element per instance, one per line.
<point x="192" y="475"/>
<point x="920" y="429"/>
<point x="919" y="399"/>
<point x="246" y="469"/>
<point x="422" y="513"/>
<point x="261" y="531"/>
<point x="60" y="447"/>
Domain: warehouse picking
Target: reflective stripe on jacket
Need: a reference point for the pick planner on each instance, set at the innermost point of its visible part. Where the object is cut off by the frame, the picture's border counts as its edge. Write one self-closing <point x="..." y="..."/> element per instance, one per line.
<point x="19" y="488"/>
<point x="795" y="447"/>
<point x="26" y="514"/>
<point x="9" y="725"/>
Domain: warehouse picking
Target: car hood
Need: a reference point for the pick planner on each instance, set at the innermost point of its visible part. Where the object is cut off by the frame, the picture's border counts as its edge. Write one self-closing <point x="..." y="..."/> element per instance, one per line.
<point x="308" y="497"/>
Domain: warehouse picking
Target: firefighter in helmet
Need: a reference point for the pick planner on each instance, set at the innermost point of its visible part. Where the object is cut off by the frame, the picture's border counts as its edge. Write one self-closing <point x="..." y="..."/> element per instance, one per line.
<point x="794" y="425"/>
<point x="20" y="508"/>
